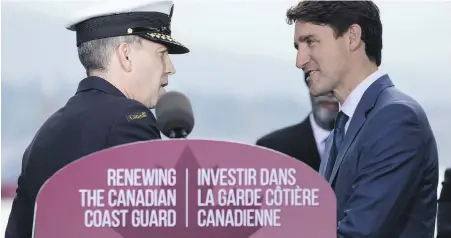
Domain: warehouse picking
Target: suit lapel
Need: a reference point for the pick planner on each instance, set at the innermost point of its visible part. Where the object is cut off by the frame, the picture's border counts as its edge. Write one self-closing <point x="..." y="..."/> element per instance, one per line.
<point x="358" y="119"/>
<point x="356" y="123"/>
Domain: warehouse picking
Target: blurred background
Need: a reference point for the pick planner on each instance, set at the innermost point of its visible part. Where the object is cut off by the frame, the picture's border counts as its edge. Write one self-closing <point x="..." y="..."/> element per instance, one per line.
<point x="240" y="75"/>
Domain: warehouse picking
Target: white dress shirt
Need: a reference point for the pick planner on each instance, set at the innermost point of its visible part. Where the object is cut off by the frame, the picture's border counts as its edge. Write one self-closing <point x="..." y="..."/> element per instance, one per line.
<point x="320" y="136"/>
<point x="351" y="102"/>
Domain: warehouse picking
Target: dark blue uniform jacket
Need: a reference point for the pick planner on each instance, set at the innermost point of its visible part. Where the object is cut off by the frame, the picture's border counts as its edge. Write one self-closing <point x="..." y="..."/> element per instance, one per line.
<point x="97" y="117"/>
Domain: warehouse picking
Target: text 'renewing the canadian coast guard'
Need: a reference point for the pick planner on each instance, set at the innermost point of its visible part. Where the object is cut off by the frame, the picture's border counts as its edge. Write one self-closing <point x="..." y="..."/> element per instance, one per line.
<point x="216" y="197"/>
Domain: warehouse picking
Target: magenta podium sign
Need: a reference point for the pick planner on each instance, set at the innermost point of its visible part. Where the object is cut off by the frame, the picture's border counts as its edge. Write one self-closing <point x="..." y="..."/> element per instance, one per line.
<point x="186" y="188"/>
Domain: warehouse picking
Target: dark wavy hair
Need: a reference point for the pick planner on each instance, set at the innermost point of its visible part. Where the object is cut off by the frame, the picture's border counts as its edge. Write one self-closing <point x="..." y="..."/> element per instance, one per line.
<point x="340" y="15"/>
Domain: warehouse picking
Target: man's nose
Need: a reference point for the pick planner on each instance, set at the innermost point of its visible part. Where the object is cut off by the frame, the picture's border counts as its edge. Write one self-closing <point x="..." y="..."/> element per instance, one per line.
<point x="169" y="67"/>
<point x="302" y="58"/>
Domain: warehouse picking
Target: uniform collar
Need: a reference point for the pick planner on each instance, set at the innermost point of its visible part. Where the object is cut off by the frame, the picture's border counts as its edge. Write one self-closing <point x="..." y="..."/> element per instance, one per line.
<point x="94" y="82"/>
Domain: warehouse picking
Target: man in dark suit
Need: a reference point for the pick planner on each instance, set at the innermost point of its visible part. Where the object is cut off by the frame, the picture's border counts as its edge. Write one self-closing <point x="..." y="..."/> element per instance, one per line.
<point x="444" y="208"/>
<point x="306" y="140"/>
<point x="383" y="160"/>
<point x="127" y="62"/>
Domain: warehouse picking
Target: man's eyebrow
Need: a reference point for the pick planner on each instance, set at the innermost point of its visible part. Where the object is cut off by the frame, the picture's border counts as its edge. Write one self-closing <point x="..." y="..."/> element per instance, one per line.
<point x="163" y="49"/>
<point x="305" y="38"/>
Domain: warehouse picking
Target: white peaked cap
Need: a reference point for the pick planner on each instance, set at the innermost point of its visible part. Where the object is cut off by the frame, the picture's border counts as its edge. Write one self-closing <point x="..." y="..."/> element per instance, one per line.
<point x="150" y="19"/>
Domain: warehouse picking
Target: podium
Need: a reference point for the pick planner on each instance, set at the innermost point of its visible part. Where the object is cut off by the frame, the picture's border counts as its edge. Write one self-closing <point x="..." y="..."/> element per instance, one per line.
<point x="185" y="188"/>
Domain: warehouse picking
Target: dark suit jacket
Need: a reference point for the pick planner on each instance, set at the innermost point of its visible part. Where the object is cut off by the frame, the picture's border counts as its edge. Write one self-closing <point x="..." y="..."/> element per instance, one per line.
<point x="296" y="141"/>
<point x="444" y="208"/>
<point x="386" y="173"/>
<point x="99" y="116"/>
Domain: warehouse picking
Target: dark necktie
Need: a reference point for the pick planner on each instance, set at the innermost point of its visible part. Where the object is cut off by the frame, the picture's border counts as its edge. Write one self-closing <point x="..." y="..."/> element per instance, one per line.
<point x="339" y="132"/>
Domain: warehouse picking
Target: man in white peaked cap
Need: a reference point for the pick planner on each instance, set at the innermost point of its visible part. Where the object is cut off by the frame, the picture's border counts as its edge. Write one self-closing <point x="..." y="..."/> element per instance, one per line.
<point x="124" y="47"/>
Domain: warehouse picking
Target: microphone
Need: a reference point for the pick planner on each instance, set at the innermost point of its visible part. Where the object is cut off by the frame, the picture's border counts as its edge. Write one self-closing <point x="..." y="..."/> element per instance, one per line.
<point x="174" y="115"/>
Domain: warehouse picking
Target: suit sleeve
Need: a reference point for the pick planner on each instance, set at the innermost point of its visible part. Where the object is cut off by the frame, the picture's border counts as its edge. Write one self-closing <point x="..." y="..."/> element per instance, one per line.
<point x="391" y="156"/>
<point x="444" y="208"/>
<point x="260" y="142"/>
<point x="135" y="123"/>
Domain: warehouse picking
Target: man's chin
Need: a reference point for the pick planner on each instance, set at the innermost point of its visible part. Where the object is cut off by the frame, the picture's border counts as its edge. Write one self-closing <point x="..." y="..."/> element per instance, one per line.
<point x="326" y="115"/>
<point x="161" y="91"/>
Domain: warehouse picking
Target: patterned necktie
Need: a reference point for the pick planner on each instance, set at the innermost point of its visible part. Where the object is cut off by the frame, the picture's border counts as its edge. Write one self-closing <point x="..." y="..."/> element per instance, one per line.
<point x="339" y="132"/>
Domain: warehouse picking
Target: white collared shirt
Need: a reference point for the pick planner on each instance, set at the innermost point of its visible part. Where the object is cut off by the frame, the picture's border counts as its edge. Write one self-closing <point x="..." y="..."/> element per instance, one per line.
<point x="320" y="136"/>
<point x="350" y="104"/>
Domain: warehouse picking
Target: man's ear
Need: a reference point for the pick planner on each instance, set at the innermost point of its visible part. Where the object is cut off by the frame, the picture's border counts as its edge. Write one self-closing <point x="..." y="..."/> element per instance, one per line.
<point x="354" y="37"/>
<point x="123" y="53"/>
